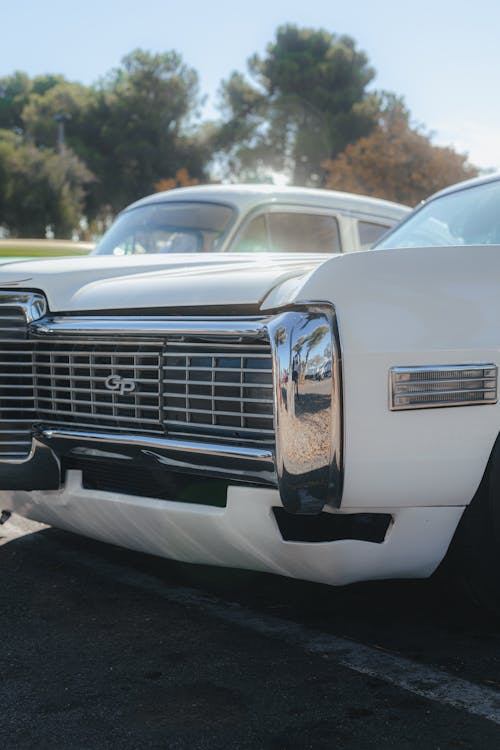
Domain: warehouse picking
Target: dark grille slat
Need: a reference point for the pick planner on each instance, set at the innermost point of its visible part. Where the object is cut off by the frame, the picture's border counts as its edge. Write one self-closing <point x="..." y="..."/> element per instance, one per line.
<point x="222" y="352"/>
<point x="79" y="366"/>
<point x="227" y="384"/>
<point x="109" y="421"/>
<point x="13" y="323"/>
<point x="216" y="428"/>
<point x="82" y="402"/>
<point x="84" y="352"/>
<point x="219" y="369"/>
<point x="228" y="399"/>
<point x="193" y="410"/>
<point x="128" y="428"/>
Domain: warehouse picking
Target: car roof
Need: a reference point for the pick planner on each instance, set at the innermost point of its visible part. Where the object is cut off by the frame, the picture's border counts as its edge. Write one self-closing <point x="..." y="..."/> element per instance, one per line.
<point x="464" y="185"/>
<point x="245" y="197"/>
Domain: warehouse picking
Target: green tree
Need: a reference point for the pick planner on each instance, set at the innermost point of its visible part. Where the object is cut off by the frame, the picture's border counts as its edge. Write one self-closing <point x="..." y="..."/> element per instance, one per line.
<point x="138" y="128"/>
<point x="39" y="187"/>
<point x="307" y="100"/>
<point x="131" y="130"/>
<point x="44" y="106"/>
<point x="15" y="93"/>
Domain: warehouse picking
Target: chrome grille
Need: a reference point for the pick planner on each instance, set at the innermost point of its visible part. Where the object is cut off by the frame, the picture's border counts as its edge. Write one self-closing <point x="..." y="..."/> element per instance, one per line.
<point x="218" y="391"/>
<point x="71" y="384"/>
<point x="223" y="390"/>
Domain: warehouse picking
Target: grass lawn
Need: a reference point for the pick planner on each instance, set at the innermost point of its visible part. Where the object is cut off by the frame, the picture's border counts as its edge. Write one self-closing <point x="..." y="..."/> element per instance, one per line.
<point x="43" y="248"/>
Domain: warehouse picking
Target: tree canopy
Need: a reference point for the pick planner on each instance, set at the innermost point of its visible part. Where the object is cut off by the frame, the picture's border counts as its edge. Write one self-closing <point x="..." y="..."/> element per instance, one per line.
<point x="306" y="101"/>
<point x="39" y="188"/>
<point x="132" y="130"/>
<point x="396" y="161"/>
<point x="138" y="127"/>
<point x="302" y="111"/>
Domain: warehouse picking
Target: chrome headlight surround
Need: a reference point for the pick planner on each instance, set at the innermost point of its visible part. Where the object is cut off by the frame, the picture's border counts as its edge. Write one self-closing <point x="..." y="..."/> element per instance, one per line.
<point x="308" y="407"/>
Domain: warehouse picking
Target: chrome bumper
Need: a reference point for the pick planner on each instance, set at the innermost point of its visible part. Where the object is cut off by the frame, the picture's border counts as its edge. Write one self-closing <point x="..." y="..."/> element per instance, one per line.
<point x="306" y="464"/>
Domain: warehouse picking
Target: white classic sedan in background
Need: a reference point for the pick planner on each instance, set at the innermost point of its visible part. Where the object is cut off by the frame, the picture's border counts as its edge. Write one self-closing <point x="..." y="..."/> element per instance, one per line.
<point x="333" y="418"/>
<point x="237" y="218"/>
<point x="251" y="218"/>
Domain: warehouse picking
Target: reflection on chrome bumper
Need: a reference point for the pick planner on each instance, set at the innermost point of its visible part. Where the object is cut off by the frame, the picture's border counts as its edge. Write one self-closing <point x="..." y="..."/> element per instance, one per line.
<point x="308" y="408"/>
<point x="244" y="464"/>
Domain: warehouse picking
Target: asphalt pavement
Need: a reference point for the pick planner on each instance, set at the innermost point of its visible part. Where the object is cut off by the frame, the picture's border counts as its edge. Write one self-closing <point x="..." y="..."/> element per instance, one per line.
<point x="103" y="648"/>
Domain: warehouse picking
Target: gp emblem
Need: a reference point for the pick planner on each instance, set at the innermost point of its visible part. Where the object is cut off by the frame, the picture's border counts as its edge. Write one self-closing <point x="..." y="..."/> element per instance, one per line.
<point x="122" y="385"/>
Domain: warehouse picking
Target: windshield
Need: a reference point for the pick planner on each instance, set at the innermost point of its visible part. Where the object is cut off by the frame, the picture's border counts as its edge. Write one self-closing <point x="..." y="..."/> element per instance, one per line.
<point x="470" y="216"/>
<point x="173" y="227"/>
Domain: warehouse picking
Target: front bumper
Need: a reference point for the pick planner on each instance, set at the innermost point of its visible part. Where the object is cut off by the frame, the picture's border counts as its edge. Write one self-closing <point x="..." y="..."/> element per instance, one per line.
<point x="244" y="534"/>
<point x="304" y="461"/>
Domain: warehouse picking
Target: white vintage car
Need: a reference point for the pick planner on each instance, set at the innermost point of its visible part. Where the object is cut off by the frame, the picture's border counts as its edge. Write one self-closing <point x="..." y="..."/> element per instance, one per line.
<point x="331" y="418"/>
<point x="251" y="218"/>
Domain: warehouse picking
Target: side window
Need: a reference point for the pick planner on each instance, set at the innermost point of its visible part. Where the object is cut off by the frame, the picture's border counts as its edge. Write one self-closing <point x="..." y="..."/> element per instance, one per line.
<point x="304" y="233"/>
<point x="253" y="238"/>
<point x="369" y="232"/>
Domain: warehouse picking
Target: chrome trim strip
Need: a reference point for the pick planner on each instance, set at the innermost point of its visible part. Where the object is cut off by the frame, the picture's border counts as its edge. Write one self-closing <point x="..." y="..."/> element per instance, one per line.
<point x="251" y="465"/>
<point x="145" y="326"/>
<point x="141" y="441"/>
<point x="34" y="305"/>
<point x="415" y="369"/>
<point x="400" y="377"/>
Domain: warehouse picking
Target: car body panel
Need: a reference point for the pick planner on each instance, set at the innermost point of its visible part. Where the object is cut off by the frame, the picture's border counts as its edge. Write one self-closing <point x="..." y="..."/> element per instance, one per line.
<point x="400" y="315"/>
<point x="135" y="281"/>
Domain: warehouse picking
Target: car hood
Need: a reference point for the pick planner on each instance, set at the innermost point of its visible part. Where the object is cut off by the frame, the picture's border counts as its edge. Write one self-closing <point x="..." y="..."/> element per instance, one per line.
<point x="132" y="282"/>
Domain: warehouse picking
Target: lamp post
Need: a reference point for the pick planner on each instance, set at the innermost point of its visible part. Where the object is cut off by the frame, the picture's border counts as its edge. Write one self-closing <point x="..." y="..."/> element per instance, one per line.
<point x="61" y="118"/>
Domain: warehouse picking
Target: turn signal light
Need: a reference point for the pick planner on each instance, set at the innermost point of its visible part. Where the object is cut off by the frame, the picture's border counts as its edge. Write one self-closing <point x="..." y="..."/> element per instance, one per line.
<point x="442" y="385"/>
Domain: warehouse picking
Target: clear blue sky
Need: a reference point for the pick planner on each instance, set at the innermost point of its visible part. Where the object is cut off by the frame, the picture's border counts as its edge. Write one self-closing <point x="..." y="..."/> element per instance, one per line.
<point x="442" y="56"/>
